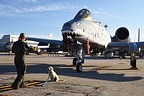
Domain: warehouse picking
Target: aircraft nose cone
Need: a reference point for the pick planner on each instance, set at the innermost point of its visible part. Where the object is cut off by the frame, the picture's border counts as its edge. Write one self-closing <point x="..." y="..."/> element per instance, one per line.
<point x="8" y="46"/>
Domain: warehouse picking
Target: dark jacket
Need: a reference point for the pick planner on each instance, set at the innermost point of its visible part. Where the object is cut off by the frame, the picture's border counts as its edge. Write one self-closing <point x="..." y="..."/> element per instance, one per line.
<point x="19" y="48"/>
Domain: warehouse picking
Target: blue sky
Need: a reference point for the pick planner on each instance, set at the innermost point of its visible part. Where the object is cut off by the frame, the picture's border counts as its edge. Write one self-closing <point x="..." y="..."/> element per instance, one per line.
<point x="39" y="18"/>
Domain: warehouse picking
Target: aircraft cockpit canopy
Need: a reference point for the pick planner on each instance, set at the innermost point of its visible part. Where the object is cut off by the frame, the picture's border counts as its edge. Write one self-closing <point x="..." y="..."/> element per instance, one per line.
<point x="83" y="14"/>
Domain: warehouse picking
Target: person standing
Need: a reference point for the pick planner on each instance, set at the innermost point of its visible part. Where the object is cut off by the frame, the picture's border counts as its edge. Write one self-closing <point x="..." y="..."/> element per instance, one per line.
<point x="19" y="48"/>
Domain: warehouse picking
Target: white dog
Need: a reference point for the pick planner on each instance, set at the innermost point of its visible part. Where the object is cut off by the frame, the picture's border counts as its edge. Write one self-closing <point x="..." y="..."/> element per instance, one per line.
<point x="52" y="74"/>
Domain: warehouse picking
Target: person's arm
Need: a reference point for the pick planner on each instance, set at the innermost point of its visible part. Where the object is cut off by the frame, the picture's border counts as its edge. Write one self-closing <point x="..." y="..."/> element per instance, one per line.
<point x="35" y="49"/>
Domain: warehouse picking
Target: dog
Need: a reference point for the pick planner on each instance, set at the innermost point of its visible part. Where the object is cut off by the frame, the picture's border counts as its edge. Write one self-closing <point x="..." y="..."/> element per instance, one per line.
<point x="52" y="76"/>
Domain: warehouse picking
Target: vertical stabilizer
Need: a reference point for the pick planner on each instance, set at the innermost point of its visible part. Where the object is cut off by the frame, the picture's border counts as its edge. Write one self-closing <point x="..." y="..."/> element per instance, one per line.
<point x="138" y="38"/>
<point x="50" y="36"/>
<point x="139" y="35"/>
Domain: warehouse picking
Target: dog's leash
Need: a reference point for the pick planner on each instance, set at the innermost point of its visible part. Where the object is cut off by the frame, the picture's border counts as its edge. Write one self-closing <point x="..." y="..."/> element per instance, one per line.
<point x="46" y="80"/>
<point x="45" y="83"/>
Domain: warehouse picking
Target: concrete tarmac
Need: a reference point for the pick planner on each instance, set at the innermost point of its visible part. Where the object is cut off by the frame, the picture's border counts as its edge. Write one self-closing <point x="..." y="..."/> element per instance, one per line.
<point x="100" y="77"/>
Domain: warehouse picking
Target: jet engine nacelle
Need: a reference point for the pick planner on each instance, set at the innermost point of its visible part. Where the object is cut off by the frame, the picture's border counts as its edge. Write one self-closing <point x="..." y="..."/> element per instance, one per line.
<point x="121" y="35"/>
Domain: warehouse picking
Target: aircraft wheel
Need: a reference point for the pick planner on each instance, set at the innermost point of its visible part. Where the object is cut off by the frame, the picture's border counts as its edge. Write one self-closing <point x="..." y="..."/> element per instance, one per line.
<point x="133" y="63"/>
<point x="74" y="61"/>
<point x="79" y="67"/>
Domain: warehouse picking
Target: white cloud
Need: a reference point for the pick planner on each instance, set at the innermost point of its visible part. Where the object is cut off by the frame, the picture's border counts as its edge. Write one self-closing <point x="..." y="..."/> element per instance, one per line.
<point x="52" y="7"/>
<point x="29" y="1"/>
<point x="102" y="13"/>
<point x="17" y="9"/>
<point x="6" y="10"/>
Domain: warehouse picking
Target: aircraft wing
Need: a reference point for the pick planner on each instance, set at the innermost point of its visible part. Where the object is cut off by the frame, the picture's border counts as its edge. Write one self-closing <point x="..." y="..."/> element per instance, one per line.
<point x="140" y="44"/>
<point x="57" y="42"/>
<point x="132" y="46"/>
<point x="118" y="44"/>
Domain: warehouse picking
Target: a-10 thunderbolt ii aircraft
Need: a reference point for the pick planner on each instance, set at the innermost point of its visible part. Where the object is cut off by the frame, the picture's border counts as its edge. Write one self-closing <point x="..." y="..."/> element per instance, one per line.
<point x="82" y="34"/>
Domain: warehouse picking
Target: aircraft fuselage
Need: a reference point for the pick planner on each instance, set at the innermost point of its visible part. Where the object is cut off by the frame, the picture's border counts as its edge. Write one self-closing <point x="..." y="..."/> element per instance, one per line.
<point x="83" y="30"/>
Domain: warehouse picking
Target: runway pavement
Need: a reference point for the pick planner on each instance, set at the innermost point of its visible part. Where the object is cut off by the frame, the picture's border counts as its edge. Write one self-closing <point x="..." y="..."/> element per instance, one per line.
<point x="100" y="77"/>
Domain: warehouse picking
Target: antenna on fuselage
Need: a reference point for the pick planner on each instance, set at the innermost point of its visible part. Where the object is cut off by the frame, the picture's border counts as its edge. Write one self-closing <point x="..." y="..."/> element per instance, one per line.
<point x="105" y="26"/>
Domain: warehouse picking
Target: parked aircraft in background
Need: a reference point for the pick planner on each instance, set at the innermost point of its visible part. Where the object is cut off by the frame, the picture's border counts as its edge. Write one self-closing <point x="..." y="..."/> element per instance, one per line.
<point x="7" y="41"/>
<point x="84" y="35"/>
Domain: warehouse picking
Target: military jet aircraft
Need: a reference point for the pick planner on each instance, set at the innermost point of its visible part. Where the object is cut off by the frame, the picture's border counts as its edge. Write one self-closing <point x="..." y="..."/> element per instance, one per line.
<point x="6" y="43"/>
<point x="83" y="35"/>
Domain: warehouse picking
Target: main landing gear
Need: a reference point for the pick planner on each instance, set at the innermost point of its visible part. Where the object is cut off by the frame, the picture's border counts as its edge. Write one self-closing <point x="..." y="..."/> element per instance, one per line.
<point x="133" y="61"/>
<point x="79" y="56"/>
<point x="78" y="65"/>
<point x="79" y="59"/>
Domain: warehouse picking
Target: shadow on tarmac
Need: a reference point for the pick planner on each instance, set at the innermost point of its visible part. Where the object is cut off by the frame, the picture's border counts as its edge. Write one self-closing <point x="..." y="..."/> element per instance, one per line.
<point x="68" y="70"/>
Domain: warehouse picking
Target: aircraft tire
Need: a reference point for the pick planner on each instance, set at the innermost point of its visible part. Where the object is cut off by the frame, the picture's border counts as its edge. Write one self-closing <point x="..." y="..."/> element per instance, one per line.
<point x="133" y="63"/>
<point x="79" y="67"/>
<point x="74" y="61"/>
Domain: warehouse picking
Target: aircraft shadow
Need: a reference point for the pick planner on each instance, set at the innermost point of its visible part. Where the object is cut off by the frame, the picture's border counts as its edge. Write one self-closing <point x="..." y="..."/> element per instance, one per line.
<point x="67" y="70"/>
<point x="96" y="75"/>
<point x="97" y="58"/>
<point x="7" y="68"/>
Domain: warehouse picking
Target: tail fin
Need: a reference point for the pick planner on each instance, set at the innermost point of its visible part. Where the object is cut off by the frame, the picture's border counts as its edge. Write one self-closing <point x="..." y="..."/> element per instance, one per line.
<point x="139" y="38"/>
<point x="139" y="35"/>
<point x="50" y="36"/>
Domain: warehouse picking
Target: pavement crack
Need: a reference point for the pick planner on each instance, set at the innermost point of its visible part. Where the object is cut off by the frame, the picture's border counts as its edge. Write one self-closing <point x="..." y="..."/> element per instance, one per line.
<point x="91" y="92"/>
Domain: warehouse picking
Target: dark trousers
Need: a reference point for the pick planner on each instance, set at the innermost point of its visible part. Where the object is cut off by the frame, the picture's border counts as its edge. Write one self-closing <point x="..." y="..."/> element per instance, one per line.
<point x="21" y="70"/>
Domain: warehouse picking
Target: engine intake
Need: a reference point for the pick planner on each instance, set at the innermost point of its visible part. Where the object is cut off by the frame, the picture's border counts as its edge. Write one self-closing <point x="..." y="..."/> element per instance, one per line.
<point x="121" y="35"/>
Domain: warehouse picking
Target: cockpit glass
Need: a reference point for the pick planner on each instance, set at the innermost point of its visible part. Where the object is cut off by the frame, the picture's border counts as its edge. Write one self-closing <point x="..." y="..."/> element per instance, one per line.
<point x="84" y="13"/>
